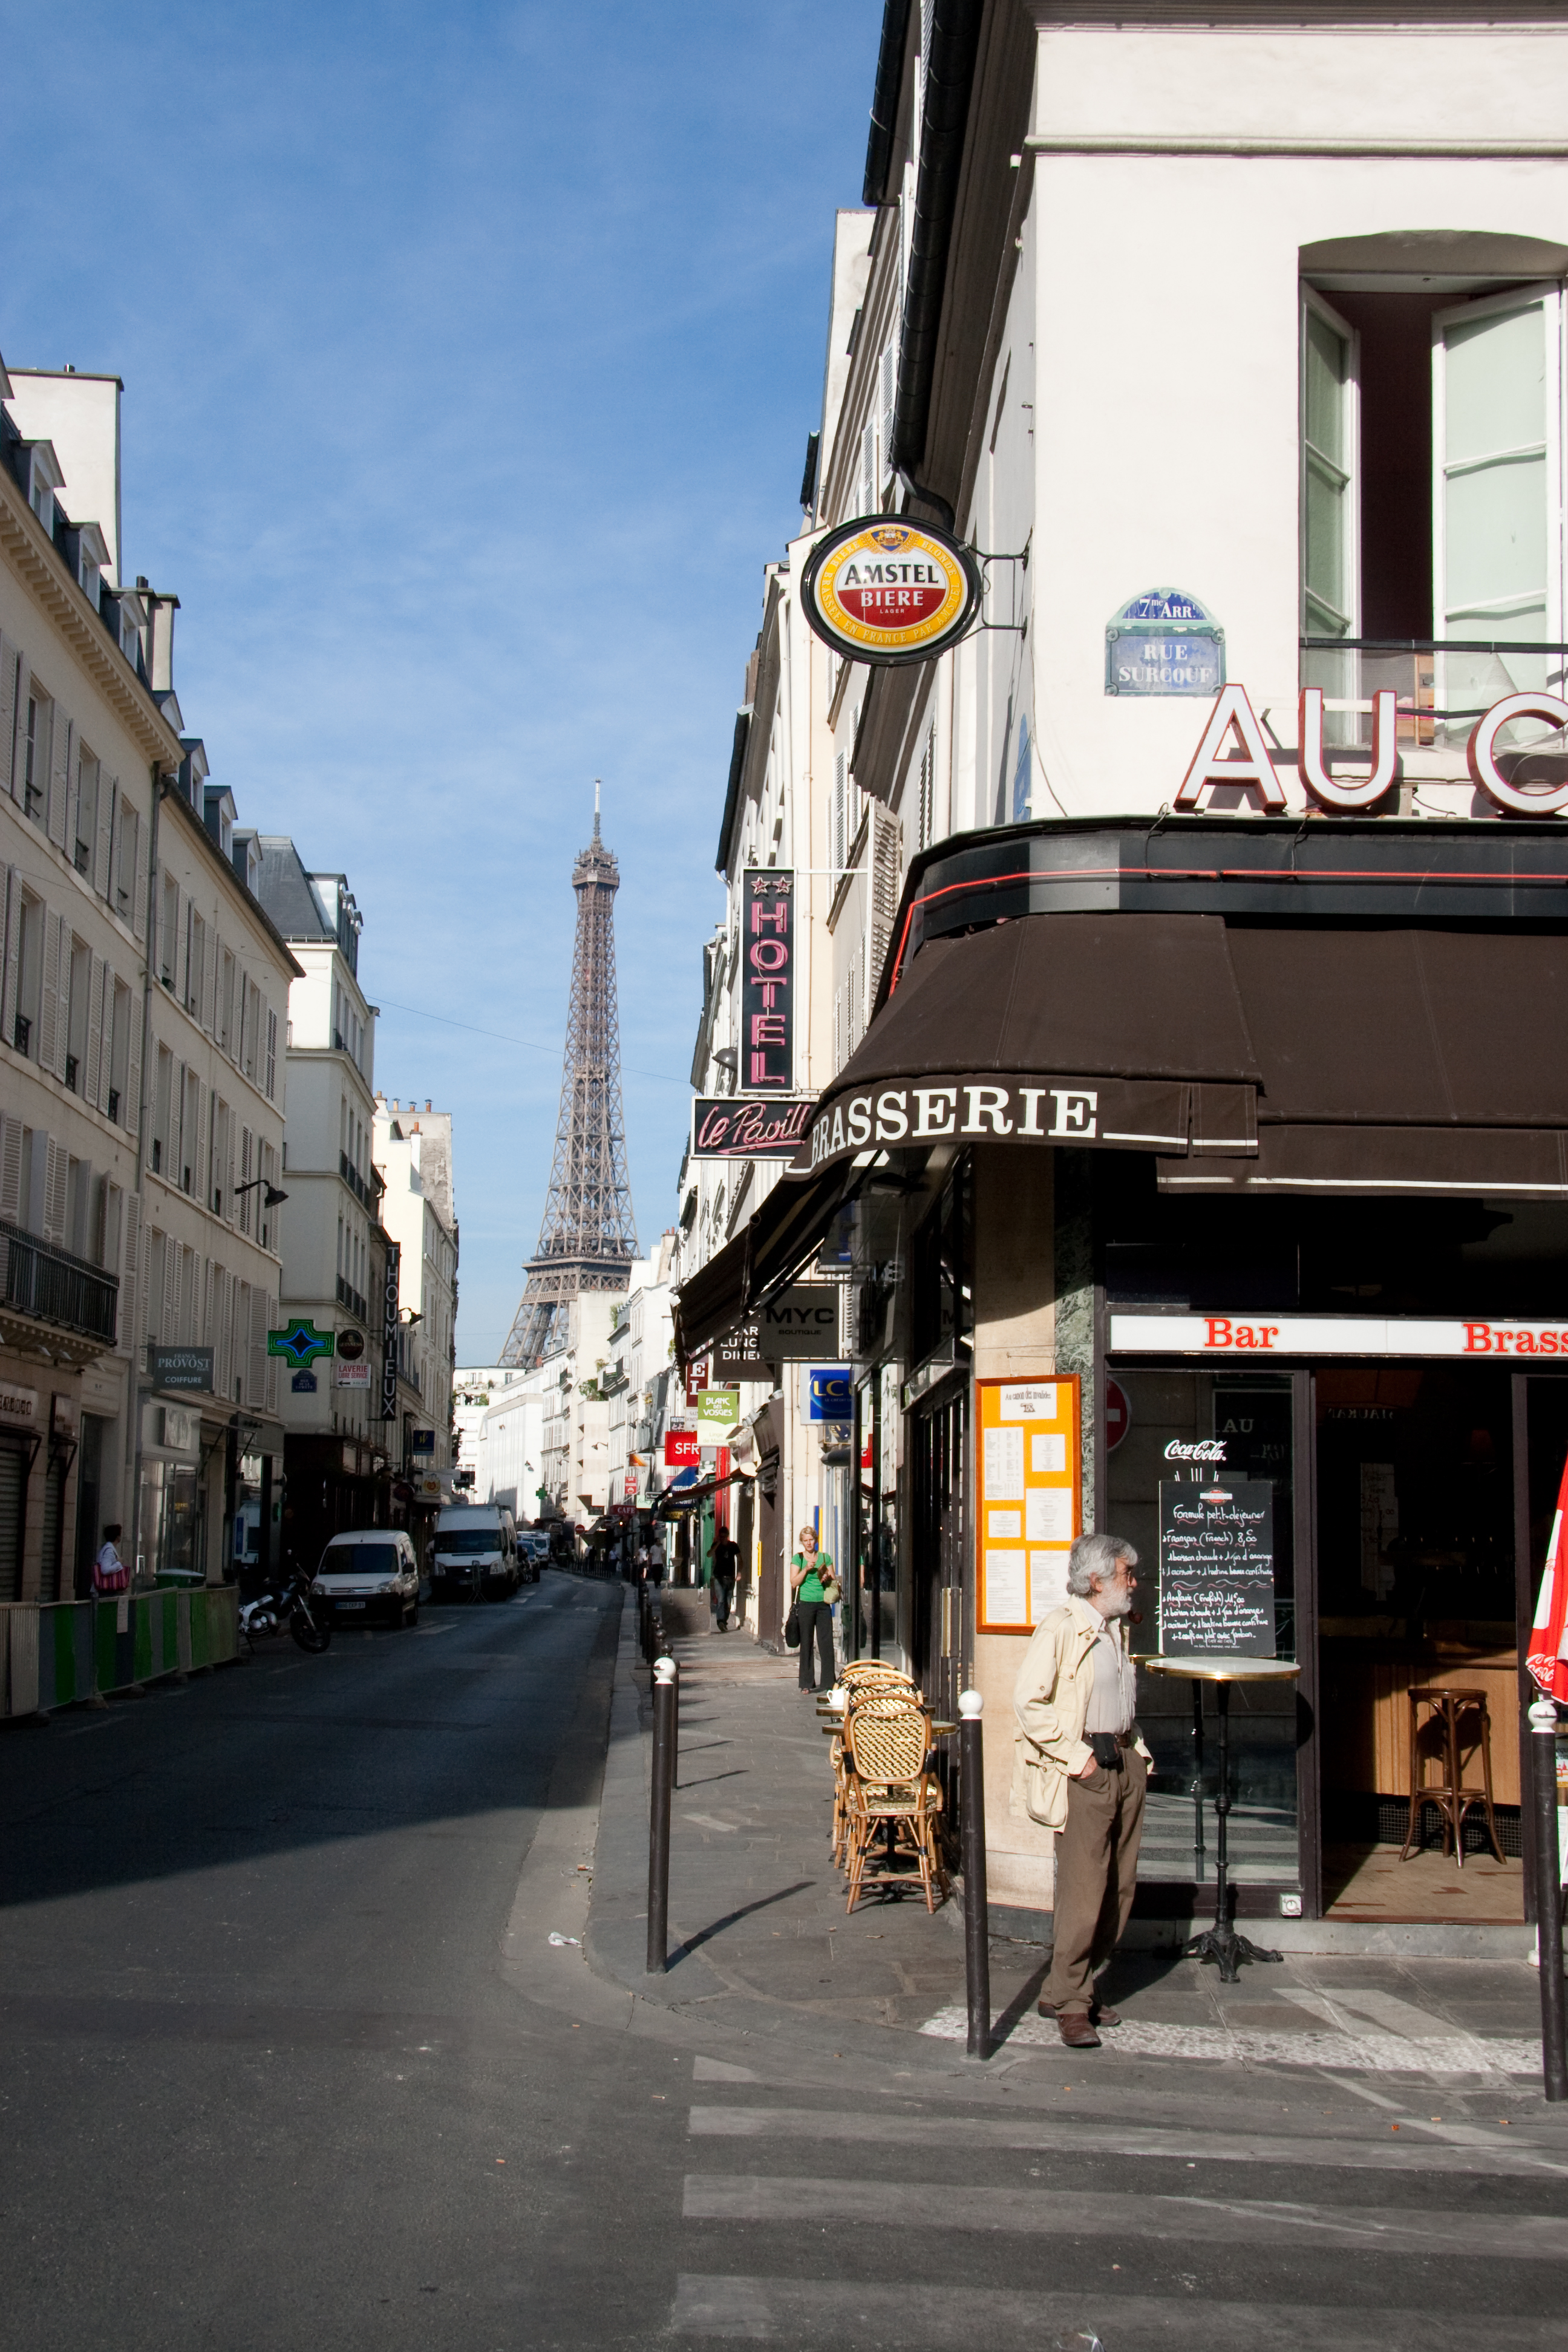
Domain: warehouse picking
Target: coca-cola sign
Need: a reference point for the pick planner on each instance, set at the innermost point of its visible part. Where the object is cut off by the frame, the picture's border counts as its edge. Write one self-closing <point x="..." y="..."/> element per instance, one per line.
<point x="730" y="1127"/>
<point x="1201" y="1449"/>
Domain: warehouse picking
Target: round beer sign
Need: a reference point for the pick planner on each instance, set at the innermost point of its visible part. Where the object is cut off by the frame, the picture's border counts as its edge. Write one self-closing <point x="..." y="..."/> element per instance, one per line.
<point x="885" y="591"/>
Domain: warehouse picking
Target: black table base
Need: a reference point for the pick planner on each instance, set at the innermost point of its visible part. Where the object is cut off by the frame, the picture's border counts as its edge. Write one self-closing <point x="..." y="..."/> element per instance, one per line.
<point x="1221" y="1943"/>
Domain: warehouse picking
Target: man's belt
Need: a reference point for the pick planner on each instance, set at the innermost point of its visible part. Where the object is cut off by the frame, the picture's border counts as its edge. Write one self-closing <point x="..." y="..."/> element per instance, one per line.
<point x="1108" y="1746"/>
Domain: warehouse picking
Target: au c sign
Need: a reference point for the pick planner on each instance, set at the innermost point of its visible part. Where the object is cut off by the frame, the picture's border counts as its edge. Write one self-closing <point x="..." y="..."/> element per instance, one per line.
<point x="1234" y="722"/>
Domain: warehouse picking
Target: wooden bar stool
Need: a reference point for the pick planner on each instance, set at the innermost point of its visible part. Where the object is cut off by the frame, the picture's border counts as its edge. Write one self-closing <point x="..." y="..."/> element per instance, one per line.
<point x="1452" y="1798"/>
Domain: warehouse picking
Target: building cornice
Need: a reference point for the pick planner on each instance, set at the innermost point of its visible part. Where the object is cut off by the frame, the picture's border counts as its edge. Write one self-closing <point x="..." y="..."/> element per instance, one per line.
<point x="33" y="555"/>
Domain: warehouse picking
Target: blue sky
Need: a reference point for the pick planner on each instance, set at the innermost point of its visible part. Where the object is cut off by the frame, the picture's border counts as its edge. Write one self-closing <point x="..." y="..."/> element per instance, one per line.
<point x="469" y="354"/>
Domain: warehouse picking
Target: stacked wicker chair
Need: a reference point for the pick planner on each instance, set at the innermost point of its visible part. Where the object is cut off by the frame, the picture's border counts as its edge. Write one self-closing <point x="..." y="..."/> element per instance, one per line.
<point x="886" y="1742"/>
<point x="861" y="1678"/>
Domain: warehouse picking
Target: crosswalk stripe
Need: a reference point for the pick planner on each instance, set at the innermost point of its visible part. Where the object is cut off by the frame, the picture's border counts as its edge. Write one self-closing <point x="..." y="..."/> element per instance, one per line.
<point x="1067" y="2135"/>
<point x="1280" y="2227"/>
<point x="908" y="2317"/>
<point x="1363" y="2053"/>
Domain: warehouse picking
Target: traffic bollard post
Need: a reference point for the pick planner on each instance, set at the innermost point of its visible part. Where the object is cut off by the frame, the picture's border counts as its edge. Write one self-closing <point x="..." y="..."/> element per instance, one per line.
<point x="1549" y="1897"/>
<point x="971" y="1840"/>
<point x="658" y="1816"/>
<point x="675" y="1727"/>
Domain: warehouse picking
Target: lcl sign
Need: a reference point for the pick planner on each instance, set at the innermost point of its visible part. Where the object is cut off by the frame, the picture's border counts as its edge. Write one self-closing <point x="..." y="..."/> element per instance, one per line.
<point x="1251" y="766"/>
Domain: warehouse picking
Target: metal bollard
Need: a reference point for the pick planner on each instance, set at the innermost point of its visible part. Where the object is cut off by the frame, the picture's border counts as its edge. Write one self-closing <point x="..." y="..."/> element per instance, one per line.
<point x="658" y="1816"/>
<point x="976" y="1910"/>
<point x="1549" y="1897"/>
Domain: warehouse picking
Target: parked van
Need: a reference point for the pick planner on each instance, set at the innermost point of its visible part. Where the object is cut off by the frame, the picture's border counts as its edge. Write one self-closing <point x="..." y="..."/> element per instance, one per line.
<point x="474" y="1556"/>
<point x="371" y="1572"/>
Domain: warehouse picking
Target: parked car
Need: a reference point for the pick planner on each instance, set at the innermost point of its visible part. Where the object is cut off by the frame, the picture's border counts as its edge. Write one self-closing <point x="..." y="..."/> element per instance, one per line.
<point x="373" y="1572"/>
<point x="474" y="1556"/>
<point x="532" y="1553"/>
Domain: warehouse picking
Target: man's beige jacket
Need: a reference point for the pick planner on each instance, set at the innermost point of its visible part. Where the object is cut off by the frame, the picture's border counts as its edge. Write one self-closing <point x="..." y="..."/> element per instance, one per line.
<point x="1050" y="1700"/>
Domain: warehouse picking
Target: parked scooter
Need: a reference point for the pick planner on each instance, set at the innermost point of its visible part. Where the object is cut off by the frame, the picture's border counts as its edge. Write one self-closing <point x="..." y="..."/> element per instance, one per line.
<point x="290" y="1605"/>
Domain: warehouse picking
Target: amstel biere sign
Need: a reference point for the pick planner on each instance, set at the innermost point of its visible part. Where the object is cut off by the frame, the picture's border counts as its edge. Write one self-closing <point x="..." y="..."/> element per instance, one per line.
<point x="884" y="590"/>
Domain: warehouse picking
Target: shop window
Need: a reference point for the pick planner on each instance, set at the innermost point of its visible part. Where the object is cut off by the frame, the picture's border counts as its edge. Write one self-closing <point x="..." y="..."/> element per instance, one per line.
<point x="1245" y="1429"/>
<point x="941" y="1303"/>
<point x="1431" y="494"/>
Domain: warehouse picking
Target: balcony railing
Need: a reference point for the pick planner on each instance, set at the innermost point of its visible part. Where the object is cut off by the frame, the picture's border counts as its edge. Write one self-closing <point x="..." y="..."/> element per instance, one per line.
<point x="356" y="1183"/>
<point x="37" y="1279"/>
<point x="1442" y="685"/>
<point x="353" y="1300"/>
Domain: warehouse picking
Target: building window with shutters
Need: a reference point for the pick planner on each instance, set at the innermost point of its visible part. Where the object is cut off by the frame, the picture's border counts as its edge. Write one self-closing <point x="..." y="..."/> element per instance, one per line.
<point x="271" y="1055"/>
<point x="85" y="843"/>
<point x="77" y="981"/>
<point x="36" y="745"/>
<point x="29" y="976"/>
<point x="1431" y="498"/>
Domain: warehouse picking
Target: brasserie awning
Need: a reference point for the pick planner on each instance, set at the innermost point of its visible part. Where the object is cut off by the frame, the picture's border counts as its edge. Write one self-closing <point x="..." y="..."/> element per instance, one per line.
<point x="764" y="1253"/>
<point x="1373" y="1057"/>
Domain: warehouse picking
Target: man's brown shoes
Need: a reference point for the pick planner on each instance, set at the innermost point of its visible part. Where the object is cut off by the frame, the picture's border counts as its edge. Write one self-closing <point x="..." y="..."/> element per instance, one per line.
<point x="1075" y="2030"/>
<point x="1099" y="2014"/>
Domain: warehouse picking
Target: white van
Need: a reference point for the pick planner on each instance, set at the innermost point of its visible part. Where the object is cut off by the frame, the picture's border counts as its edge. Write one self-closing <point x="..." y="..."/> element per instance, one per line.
<point x="474" y="1556"/>
<point x="372" y="1572"/>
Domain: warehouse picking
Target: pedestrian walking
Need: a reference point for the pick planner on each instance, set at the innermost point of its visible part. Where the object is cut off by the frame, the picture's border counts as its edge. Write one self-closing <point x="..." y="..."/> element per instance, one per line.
<point x="726" y="1560"/>
<point x="656" y="1559"/>
<point x="816" y="1589"/>
<point x="1080" y="1768"/>
<point x="641" y="1571"/>
<point x="111" y="1577"/>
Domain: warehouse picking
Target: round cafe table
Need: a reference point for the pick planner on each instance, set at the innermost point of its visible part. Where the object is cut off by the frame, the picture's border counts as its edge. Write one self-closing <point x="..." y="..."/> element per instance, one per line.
<point x="1221" y="1943"/>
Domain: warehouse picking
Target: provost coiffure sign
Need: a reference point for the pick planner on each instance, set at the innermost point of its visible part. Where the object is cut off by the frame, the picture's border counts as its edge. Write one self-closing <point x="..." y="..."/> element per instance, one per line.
<point x="767" y="981"/>
<point x="885" y="591"/>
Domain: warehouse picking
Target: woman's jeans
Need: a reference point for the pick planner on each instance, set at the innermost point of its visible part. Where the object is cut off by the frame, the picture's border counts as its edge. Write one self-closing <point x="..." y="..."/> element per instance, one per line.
<point x="815" y="1626"/>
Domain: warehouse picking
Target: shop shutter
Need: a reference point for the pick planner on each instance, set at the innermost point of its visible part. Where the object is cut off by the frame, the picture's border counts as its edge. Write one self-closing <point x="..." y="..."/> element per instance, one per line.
<point x="10" y="1169"/>
<point x="12" y="1500"/>
<point x="869" y="501"/>
<point x="887" y="387"/>
<point x="19" y="735"/>
<point x="9" y="661"/>
<point x="103" y="853"/>
<point x="838" y="845"/>
<point x="60" y="777"/>
<point x="168" y="1324"/>
<point x="56" y="1185"/>
<point x="256" y="1365"/>
<point x="106" y="1040"/>
<point x="93" y="1073"/>
<point x="130" y="1279"/>
<point x="137" y="875"/>
<point x="1497" y="495"/>
<point x="130" y="1108"/>
<point x="49" y="992"/>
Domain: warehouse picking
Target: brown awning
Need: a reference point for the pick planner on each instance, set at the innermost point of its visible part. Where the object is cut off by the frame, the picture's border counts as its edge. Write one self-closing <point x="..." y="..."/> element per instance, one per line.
<point x="1198" y="1039"/>
<point x="1503" y="1162"/>
<point x="764" y="1253"/>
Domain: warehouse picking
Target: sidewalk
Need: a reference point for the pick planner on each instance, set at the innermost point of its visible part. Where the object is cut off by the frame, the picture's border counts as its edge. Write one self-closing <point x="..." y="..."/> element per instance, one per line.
<point x="760" y="1940"/>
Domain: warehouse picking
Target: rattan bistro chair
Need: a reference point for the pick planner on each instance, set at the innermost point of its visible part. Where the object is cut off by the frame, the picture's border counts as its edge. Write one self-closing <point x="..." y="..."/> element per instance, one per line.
<point x="886" y="1741"/>
<point x="861" y="1678"/>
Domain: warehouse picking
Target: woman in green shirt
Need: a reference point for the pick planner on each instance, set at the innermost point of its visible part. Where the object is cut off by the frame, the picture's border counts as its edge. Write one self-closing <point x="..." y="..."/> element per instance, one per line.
<point x="811" y="1574"/>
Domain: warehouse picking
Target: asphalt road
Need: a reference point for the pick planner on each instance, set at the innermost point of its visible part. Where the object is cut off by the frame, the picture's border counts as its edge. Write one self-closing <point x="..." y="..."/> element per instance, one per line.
<point x="290" y="2060"/>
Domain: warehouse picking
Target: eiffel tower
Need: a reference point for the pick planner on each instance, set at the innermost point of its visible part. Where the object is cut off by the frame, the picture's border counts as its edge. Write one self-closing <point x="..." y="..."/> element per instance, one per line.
<point x="588" y="1236"/>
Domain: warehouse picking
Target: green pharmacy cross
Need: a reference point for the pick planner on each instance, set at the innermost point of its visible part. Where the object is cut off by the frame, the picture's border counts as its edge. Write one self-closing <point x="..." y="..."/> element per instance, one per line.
<point x="301" y="1342"/>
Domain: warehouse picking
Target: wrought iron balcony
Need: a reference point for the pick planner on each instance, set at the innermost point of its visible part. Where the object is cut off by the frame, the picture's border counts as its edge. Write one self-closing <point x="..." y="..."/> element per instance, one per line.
<point x="50" y="1285"/>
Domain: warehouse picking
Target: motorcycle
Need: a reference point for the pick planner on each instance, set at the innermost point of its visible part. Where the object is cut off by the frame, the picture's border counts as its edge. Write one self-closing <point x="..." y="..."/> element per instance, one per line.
<point x="292" y="1606"/>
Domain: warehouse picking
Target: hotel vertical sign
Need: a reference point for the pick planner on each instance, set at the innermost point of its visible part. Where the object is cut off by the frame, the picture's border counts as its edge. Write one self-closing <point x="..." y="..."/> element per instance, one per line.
<point x="767" y="986"/>
<point x="390" y="1298"/>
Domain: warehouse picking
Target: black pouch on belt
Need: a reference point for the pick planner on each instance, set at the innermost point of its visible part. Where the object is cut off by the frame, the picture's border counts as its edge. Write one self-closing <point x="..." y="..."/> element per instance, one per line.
<point x="1107" y="1749"/>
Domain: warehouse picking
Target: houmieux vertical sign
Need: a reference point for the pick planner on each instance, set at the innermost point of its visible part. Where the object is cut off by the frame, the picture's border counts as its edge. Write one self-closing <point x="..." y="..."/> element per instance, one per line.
<point x="767" y="989"/>
<point x="390" y="1303"/>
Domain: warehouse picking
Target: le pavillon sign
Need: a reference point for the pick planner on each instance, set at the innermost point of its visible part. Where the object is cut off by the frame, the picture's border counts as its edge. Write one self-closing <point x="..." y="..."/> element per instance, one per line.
<point x="883" y="590"/>
<point x="767" y="982"/>
<point x="729" y="1126"/>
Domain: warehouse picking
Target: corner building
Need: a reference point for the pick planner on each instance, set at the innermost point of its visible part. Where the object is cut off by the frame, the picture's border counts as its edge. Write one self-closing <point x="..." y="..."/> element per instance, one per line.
<point x="1211" y="1110"/>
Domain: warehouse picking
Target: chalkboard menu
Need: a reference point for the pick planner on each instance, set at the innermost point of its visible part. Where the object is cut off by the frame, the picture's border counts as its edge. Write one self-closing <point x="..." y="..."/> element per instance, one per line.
<point x="1216" y="1567"/>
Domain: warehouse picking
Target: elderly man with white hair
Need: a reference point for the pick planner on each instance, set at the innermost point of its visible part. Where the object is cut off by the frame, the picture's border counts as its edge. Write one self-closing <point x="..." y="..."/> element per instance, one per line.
<point x="1080" y="1768"/>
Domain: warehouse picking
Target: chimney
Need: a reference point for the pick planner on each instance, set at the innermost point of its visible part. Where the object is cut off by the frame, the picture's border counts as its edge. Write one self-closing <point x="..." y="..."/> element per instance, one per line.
<point x="427" y="1102"/>
<point x="161" y="611"/>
